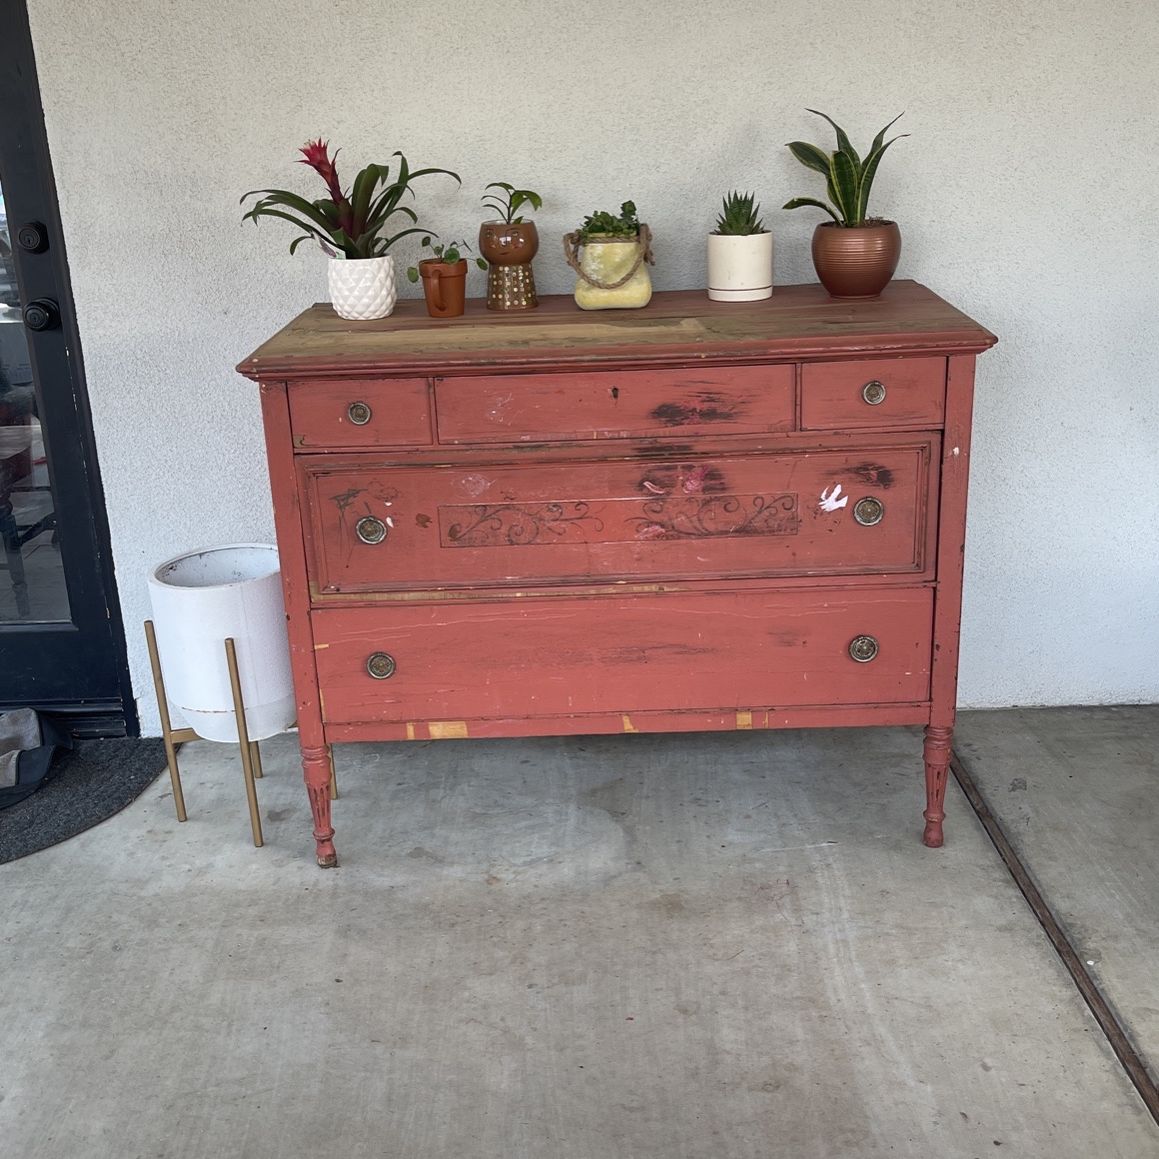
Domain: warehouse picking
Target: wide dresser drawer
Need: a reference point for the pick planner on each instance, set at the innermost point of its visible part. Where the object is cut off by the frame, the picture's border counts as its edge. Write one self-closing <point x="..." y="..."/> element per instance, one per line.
<point x="602" y="404"/>
<point x="804" y="512"/>
<point x="514" y="658"/>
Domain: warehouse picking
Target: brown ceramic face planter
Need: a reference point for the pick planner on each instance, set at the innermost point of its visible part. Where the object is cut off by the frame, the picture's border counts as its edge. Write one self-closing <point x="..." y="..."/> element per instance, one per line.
<point x="856" y="261"/>
<point x="444" y="286"/>
<point x="509" y="243"/>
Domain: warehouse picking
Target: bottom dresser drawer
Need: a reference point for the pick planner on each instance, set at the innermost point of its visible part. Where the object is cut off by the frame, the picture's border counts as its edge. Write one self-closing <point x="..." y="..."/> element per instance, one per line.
<point x="624" y="654"/>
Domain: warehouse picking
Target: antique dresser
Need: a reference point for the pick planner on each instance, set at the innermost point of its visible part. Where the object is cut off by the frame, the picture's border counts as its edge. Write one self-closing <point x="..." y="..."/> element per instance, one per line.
<point x="692" y="516"/>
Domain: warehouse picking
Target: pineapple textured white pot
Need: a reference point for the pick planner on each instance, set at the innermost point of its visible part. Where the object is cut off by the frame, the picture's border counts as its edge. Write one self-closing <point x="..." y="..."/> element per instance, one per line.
<point x="740" y="267"/>
<point x="362" y="288"/>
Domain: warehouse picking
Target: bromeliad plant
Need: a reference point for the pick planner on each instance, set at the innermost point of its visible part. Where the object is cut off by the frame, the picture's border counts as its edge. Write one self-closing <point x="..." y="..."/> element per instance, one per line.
<point x="848" y="178"/>
<point x="351" y="222"/>
<point x="739" y="216"/>
<point x="509" y="200"/>
<point x="449" y="253"/>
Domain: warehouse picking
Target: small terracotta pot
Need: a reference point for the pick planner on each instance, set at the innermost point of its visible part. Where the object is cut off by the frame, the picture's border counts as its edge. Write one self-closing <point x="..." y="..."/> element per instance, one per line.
<point x="508" y="245"/>
<point x="445" y="287"/>
<point x="856" y="261"/>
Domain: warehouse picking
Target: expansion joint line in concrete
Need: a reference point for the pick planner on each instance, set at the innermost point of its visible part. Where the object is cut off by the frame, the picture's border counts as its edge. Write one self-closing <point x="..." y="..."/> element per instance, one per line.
<point x="1104" y="1014"/>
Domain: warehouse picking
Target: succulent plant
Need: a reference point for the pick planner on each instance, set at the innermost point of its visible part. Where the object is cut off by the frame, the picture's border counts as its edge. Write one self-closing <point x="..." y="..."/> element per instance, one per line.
<point x="604" y="224"/>
<point x="739" y="215"/>
<point x="848" y="178"/>
<point x="510" y="200"/>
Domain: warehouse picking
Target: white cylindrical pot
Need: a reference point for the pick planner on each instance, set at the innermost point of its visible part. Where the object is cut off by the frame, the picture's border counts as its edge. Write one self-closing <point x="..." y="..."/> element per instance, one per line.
<point x="740" y="267"/>
<point x="362" y="288"/>
<point x="202" y="598"/>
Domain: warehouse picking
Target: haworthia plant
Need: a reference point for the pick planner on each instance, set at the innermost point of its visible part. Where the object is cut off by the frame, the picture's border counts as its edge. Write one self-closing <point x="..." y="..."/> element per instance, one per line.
<point x="848" y="178"/>
<point x="740" y="215"/>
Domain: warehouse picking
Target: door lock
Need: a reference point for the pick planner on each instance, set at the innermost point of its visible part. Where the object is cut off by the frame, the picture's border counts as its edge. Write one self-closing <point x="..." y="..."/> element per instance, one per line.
<point x="42" y="314"/>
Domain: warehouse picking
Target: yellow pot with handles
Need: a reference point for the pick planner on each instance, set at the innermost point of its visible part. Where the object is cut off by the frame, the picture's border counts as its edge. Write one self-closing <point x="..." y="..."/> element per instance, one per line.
<point x="611" y="272"/>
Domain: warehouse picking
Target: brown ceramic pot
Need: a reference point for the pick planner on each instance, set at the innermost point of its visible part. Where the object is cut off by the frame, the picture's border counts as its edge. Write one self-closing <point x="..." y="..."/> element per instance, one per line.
<point x="856" y="261"/>
<point x="445" y="287"/>
<point x="508" y="245"/>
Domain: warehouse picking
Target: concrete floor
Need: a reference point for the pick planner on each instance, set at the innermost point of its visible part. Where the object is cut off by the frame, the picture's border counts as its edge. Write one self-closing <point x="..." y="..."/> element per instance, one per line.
<point x="610" y="948"/>
<point x="1077" y="790"/>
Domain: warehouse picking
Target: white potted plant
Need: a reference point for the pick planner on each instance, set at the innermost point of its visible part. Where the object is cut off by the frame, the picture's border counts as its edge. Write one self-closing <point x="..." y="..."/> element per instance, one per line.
<point x="201" y="599"/>
<point x="351" y="226"/>
<point x="740" y="253"/>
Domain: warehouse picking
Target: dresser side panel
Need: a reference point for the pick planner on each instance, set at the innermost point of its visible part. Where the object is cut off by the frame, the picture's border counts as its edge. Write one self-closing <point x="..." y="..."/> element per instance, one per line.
<point x="955" y="476"/>
<point x="292" y="559"/>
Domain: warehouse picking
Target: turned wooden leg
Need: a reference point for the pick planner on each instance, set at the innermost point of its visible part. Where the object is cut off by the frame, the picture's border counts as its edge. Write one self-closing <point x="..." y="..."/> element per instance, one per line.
<point x="316" y="768"/>
<point x="937" y="757"/>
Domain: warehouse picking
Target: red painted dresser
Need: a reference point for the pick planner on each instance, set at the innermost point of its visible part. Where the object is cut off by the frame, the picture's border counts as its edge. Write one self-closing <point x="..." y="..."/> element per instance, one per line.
<point x="691" y="516"/>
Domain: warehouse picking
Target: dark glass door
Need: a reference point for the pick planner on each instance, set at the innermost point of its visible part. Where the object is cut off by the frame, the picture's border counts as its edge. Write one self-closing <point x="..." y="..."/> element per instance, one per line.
<point x="61" y="641"/>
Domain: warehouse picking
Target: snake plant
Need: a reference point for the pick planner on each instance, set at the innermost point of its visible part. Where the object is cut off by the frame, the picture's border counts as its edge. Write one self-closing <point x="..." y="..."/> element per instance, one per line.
<point x="848" y="178"/>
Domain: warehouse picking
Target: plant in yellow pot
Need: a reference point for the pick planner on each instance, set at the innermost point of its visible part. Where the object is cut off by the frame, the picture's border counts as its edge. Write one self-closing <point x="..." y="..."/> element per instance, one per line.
<point x="854" y="255"/>
<point x="610" y="254"/>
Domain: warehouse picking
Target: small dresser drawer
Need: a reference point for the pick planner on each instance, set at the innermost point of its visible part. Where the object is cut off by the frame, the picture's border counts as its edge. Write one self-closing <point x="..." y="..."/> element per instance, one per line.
<point x="729" y="651"/>
<point x="335" y="414"/>
<point x="544" y="408"/>
<point x="902" y="392"/>
<point x="853" y="511"/>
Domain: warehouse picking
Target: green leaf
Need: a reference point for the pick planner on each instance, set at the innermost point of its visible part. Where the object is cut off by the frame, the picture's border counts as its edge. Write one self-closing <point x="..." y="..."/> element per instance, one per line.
<point x="843" y="142"/>
<point x="845" y="175"/>
<point x="810" y="156"/>
<point x="413" y="274"/>
<point x="881" y="136"/>
<point x="298" y="241"/>
<point x="870" y="171"/>
<point x="801" y="202"/>
<point x="481" y="263"/>
<point x="389" y="241"/>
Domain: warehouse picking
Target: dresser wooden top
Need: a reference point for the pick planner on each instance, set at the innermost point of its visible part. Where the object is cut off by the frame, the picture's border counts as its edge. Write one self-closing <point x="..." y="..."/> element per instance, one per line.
<point x="677" y="327"/>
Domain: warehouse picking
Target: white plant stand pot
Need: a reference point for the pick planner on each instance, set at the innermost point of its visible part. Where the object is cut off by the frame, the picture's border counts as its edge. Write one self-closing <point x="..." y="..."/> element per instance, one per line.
<point x="740" y="267"/>
<point x="200" y="600"/>
<point x="362" y="288"/>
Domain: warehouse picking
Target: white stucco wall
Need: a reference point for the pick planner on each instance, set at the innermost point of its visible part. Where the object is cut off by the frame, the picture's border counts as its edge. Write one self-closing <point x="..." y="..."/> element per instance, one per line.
<point x="1028" y="194"/>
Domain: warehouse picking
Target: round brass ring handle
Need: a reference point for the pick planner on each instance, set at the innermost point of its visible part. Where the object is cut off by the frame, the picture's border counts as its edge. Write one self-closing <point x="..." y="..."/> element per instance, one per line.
<point x="868" y="511"/>
<point x="873" y="392"/>
<point x="358" y="413"/>
<point x="370" y="530"/>
<point x="380" y="665"/>
<point x="862" y="649"/>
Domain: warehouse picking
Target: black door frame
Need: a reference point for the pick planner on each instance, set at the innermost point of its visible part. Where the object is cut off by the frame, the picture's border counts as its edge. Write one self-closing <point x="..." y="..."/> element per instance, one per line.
<point x="79" y="669"/>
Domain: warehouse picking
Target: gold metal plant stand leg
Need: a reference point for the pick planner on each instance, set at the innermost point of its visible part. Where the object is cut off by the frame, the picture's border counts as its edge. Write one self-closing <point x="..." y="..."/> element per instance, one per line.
<point x="251" y="753"/>
<point x="243" y="740"/>
<point x="171" y="737"/>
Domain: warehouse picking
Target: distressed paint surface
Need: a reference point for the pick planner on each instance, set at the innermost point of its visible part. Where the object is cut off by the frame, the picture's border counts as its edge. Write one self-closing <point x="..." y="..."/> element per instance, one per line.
<point x="641" y="654"/>
<point x="578" y="522"/>
<point x="619" y="524"/>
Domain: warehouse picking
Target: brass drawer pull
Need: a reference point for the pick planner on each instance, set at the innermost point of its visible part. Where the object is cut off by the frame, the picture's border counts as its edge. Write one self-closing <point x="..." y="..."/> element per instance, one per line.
<point x="370" y="530"/>
<point x="380" y="665"/>
<point x="873" y="392"/>
<point x="868" y="511"/>
<point x="358" y="413"/>
<point x="863" y="649"/>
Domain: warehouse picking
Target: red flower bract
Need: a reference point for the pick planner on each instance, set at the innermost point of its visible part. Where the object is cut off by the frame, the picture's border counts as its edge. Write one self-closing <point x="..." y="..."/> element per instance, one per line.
<point x="316" y="155"/>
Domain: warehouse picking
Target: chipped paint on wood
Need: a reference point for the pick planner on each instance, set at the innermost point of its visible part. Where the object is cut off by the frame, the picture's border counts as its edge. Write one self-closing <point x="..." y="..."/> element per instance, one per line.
<point x="447" y="729"/>
<point x="628" y="725"/>
<point x="744" y="720"/>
